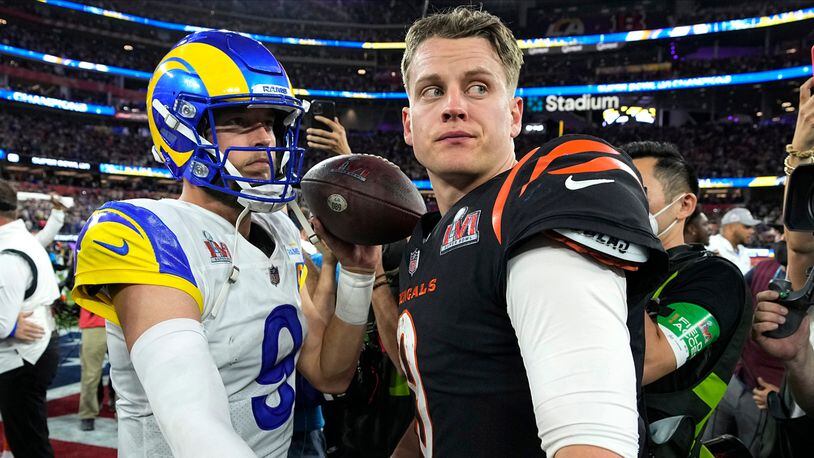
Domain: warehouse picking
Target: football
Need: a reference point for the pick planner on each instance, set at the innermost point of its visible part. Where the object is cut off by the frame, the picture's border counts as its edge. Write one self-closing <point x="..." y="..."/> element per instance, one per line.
<point x="363" y="199"/>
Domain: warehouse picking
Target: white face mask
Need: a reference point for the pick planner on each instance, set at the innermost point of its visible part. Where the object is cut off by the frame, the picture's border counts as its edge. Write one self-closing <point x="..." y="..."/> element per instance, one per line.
<point x="654" y="225"/>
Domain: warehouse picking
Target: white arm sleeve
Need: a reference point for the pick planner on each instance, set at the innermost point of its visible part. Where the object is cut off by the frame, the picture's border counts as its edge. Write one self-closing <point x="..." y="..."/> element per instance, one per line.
<point x="185" y="391"/>
<point x="569" y="315"/>
<point x="55" y="222"/>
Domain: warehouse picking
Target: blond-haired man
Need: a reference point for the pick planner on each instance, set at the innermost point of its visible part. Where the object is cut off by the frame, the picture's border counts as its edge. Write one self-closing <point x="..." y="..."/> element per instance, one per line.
<point x="513" y="298"/>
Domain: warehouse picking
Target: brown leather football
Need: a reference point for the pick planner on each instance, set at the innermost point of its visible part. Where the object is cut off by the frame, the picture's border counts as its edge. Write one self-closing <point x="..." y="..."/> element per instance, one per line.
<point x="363" y="199"/>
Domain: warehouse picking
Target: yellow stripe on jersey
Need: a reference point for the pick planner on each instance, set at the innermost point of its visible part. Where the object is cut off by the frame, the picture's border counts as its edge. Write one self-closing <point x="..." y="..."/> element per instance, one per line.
<point x="302" y="274"/>
<point x="126" y="244"/>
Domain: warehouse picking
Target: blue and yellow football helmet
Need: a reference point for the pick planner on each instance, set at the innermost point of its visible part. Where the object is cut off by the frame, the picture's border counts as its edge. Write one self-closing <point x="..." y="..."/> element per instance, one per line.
<point x="218" y="69"/>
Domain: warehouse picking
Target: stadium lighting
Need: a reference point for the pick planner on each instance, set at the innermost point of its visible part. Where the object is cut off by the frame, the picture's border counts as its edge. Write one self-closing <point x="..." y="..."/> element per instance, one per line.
<point x="534" y="128"/>
<point x="361" y="71"/>
<point x="128" y="47"/>
<point x="530" y="43"/>
<point x="3" y="21"/>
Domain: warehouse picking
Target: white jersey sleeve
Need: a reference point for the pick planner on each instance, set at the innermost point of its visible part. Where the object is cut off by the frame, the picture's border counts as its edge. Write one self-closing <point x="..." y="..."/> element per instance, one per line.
<point x="575" y="348"/>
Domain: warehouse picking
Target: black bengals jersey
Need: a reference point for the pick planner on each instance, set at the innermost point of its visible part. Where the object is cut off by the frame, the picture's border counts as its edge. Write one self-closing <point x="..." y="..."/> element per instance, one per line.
<point x="456" y="342"/>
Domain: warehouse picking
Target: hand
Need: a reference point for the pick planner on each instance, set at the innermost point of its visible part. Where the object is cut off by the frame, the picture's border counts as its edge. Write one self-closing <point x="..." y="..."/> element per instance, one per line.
<point x="58" y="205"/>
<point x="761" y="393"/>
<point x="355" y="258"/>
<point x="804" y="130"/>
<point x="335" y="141"/>
<point x="768" y="317"/>
<point x="27" y="330"/>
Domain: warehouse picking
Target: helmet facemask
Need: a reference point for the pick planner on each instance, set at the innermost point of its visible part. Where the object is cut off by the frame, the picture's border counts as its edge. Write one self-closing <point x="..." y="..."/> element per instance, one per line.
<point x="210" y="167"/>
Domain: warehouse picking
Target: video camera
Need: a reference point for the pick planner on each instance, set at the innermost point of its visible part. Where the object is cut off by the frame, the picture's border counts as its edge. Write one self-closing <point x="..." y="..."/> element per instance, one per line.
<point x="798" y="216"/>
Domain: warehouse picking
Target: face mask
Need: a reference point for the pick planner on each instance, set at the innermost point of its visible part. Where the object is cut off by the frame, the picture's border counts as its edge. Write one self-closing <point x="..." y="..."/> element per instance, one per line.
<point x="654" y="225"/>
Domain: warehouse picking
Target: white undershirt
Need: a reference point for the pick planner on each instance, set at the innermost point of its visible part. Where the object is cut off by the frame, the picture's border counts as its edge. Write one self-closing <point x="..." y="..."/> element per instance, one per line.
<point x="15" y="276"/>
<point x="569" y="313"/>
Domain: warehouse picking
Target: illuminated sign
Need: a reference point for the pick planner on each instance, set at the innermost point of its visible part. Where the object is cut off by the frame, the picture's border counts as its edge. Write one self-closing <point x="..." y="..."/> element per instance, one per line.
<point x="626" y="114"/>
<point x="134" y="170"/>
<point x="534" y="128"/>
<point x="749" y="182"/>
<point x="636" y="86"/>
<point x="130" y="116"/>
<point x="744" y="182"/>
<point x="584" y="103"/>
<point x="53" y="162"/>
<point x="61" y="104"/>
<point x="66" y="238"/>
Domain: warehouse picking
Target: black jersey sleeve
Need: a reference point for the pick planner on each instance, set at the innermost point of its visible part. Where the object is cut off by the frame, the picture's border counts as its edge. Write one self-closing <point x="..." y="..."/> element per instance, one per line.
<point x="579" y="183"/>
<point x="715" y="284"/>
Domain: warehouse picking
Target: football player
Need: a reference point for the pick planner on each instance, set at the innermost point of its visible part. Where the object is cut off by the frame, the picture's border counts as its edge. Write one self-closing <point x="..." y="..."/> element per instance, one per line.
<point x="207" y="320"/>
<point x="513" y="297"/>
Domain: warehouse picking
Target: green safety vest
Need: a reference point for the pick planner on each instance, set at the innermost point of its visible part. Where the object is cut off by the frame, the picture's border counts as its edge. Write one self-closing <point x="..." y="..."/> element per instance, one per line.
<point x="699" y="400"/>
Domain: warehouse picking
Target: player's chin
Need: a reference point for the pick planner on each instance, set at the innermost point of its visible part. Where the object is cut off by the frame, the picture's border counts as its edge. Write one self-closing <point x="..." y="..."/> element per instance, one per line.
<point x="256" y="170"/>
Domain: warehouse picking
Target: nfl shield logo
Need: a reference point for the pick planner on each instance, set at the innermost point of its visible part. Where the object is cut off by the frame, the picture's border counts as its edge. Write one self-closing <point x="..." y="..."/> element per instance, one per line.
<point x="274" y="275"/>
<point x="413" y="261"/>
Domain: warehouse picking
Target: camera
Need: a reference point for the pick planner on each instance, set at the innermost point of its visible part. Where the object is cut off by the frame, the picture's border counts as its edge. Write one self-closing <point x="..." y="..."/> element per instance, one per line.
<point x="798" y="216"/>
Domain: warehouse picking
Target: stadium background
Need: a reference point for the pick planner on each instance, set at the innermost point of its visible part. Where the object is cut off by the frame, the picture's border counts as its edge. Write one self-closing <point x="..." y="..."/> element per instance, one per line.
<point x="719" y="81"/>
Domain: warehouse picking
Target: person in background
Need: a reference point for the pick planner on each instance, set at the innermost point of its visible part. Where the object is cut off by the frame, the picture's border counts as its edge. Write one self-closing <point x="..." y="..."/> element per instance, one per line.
<point x="29" y="353"/>
<point x="370" y="418"/>
<point x="91" y="359"/>
<point x="796" y="351"/>
<point x="697" y="318"/>
<point x="737" y="229"/>
<point x="55" y="222"/>
<point x="697" y="230"/>
<point x="742" y="411"/>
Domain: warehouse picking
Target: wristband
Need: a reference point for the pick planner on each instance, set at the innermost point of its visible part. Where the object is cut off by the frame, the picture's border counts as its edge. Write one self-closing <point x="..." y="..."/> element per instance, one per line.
<point x="353" y="296"/>
<point x="381" y="283"/>
<point x="689" y="329"/>
<point x="13" y="330"/>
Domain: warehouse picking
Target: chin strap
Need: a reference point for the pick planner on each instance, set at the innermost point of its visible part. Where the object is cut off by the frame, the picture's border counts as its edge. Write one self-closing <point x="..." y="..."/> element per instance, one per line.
<point x="233" y="272"/>
<point x="309" y="231"/>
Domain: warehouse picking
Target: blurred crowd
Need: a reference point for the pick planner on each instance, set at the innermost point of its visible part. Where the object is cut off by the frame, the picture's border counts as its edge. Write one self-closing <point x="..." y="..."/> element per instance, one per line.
<point x="139" y="47"/>
<point x="715" y="149"/>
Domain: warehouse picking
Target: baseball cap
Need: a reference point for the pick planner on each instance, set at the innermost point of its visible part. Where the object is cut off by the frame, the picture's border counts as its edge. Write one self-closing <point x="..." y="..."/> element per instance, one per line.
<point x="739" y="215"/>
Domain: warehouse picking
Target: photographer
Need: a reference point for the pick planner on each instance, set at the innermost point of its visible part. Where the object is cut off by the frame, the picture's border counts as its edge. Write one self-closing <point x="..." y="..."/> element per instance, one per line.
<point x="795" y="350"/>
<point x="696" y="320"/>
<point x="28" y="342"/>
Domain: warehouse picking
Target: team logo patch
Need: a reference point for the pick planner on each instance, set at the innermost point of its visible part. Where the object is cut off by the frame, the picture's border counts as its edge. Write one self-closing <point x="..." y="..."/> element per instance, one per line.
<point x="462" y="231"/>
<point x="218" y="251"/>
<point x="274" y="275"/>
<point x="413" y="266"/>
<point x="360" y="173"/>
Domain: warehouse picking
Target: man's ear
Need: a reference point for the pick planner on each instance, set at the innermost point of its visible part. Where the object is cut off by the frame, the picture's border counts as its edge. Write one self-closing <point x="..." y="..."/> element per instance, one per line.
<point x="688" y="204"/>
<point x="408" y="127"/>
<point x="516" y="111"/>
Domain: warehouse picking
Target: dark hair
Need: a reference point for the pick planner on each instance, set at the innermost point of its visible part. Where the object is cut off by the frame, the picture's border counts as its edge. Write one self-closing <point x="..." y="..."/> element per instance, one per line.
<point x="8" y="200"/>
<point x="672" y="170"/>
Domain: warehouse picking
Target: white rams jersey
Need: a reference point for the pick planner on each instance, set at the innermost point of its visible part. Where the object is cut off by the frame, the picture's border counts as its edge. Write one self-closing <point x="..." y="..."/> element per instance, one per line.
<point x="255" y="337"/>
